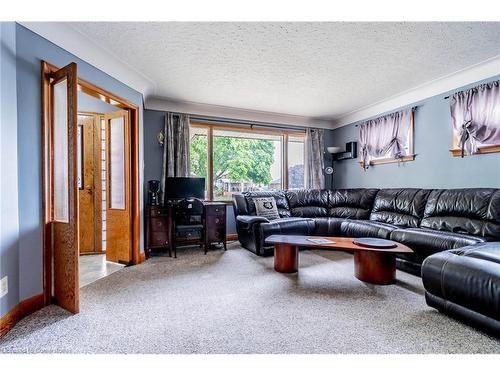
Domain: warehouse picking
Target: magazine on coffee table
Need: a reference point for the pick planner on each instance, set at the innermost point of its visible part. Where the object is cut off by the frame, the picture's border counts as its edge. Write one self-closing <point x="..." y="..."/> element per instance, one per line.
<point x="320" y="241"/>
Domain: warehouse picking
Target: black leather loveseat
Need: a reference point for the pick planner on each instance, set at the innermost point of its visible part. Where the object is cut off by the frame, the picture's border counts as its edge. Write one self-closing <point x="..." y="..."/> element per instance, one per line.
<point x="451" y="231"/>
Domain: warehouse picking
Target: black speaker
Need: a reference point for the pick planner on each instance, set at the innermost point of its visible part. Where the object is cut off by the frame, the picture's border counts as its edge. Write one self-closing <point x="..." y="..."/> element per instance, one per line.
<point x="153" y="192"/>
<point x="352" y="147"/>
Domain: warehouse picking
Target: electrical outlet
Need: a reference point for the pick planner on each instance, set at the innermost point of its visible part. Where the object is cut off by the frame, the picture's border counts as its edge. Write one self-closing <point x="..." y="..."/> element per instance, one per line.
<point x="4" y="286"/>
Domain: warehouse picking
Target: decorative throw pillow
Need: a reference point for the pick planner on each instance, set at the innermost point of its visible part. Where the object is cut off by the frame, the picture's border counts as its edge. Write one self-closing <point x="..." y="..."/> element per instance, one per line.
<point x="266" y="207"/>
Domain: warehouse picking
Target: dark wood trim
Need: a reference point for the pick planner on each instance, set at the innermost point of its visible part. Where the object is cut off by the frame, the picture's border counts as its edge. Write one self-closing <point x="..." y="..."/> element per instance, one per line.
<point x="65" y="244"/>
<point x="46" y="182"/>
<point x="135" y="186"/>
<point x="20" y="311"/>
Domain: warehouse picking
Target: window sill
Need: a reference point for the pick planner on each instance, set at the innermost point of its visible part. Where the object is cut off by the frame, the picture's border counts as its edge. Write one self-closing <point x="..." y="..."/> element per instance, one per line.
<point x="456" y="152"/>
<point x="226" y="202"/>
<point x="390" y="161"/>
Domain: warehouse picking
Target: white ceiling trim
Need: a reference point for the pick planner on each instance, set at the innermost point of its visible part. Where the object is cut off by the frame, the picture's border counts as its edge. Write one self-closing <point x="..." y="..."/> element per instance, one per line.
<point x="474" y="73"/>
<point x="73" y="41"/>
<point x="164" y="104"/>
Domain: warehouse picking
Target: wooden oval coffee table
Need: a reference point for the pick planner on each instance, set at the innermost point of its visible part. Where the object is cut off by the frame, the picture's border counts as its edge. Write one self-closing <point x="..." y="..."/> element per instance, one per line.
<point x="373" y="265"/>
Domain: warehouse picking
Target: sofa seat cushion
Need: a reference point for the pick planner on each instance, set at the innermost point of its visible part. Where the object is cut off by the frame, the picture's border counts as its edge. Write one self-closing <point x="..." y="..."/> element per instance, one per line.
<point x="428" y="241"/>
<point x="489" y="251"/>
<point x="469" y="277"/>
<point x="366" y="228"/>
<point x="431" y="241"/>
<point x="291" y="226"/>
<point x="328" y="226"/>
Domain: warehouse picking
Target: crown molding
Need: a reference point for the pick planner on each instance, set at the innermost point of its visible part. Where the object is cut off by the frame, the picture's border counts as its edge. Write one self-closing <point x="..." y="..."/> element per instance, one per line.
<point x="201" y="109"/>
<point x="66" y="37"/>
<point x="486" y="69"/>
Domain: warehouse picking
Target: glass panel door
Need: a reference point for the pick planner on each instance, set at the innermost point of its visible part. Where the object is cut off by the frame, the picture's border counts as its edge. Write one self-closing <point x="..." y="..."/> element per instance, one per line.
<point x="60" y="144"/>
<point x="118" y="232"/>
<point x="63" y="190"/>
<point x="117" y="163"/>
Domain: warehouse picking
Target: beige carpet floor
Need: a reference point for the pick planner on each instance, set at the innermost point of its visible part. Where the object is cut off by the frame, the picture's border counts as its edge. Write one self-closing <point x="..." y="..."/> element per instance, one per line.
<point x="234" y="302"/>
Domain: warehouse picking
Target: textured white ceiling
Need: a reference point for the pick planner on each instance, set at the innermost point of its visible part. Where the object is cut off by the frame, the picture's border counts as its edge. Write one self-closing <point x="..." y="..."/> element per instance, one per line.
<point x="308" y="69"/>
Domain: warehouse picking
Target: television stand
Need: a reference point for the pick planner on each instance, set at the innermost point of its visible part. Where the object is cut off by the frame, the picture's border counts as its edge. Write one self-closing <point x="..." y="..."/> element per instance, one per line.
<point x="179" y="224"/>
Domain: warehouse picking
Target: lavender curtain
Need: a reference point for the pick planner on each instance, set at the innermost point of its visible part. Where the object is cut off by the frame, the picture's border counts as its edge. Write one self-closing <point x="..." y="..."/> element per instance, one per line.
<point x="175" y="148"/>
<point x="314" y="163"/>
<point x="475" y="115"/>
<point x="385" y="136"/>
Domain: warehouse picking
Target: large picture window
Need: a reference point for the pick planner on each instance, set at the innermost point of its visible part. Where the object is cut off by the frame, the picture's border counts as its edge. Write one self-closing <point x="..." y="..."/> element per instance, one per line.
<point x="236" y="159"/>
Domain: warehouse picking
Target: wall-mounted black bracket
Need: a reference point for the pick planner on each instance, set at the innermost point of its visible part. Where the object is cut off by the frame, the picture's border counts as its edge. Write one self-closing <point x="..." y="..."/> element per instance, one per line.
<point x="351" y="152"/>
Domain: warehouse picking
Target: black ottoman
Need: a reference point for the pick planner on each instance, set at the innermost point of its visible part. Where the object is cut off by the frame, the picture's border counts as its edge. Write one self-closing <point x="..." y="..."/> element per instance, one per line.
<point x="465" y="283"/>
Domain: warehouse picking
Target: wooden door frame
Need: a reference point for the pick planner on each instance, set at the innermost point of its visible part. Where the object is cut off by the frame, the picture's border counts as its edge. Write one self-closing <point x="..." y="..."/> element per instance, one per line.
<point x="110" y="98"/>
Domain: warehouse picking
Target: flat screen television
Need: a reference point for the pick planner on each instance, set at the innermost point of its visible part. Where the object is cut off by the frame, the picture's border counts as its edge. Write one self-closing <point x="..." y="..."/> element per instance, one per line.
<point x="184" y="188"/>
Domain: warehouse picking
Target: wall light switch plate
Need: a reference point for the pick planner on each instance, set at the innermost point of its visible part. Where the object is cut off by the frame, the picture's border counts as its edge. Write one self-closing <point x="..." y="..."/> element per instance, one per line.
<point x="4" y="286"/>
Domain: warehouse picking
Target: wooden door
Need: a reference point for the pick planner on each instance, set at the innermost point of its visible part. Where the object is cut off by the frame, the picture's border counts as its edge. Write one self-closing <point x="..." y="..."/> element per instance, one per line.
<point x="118" y="219"/>
<point x="63" y="187"/>
<point x="89" y="183"/>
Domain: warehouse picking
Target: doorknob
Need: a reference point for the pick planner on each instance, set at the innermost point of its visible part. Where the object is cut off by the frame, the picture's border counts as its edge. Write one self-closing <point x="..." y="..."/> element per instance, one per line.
<point x="89" y="189"/>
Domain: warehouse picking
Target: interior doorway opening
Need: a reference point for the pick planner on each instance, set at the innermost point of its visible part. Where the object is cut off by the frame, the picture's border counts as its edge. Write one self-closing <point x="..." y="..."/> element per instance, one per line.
<point x="93" y="184"/>
<point x="64" y="181"/>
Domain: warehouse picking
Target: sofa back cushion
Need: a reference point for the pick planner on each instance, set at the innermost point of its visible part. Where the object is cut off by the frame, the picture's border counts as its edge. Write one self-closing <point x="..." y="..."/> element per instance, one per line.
<point x="279" y="196"/>
<point x="240" y="204"/>
<point x="308" y="202"/>
<point x="351" y="203"/>
<point x="467" y="211"/>
<point x="402" y="207"/>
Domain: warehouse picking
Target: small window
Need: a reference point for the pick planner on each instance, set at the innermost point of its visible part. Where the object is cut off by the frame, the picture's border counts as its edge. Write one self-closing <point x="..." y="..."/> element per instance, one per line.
<point x="475" y="115"/>
<point x="387" y="139"/>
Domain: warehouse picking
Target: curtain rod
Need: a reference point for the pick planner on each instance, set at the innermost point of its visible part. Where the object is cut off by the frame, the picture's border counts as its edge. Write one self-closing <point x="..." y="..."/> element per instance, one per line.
<point x="230" y="121"/>
<point x="413" y="108"/>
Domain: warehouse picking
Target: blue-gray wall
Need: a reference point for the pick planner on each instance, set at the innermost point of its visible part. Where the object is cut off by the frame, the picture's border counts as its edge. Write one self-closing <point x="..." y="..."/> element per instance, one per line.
<point x="154" y="121"/>
<point x="433" y="167"/>
<point x="9" y="215"/>
<point x="87" y="103"/>
<point x="30" y="49"/>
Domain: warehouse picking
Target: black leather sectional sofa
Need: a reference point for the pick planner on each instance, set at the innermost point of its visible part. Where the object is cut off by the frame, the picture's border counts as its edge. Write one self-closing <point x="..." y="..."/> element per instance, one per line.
<point x="452" y="230"/>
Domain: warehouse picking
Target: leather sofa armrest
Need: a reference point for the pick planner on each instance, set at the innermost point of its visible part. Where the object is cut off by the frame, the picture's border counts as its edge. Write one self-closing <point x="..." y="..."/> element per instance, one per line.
<point x="248" y="220"/>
